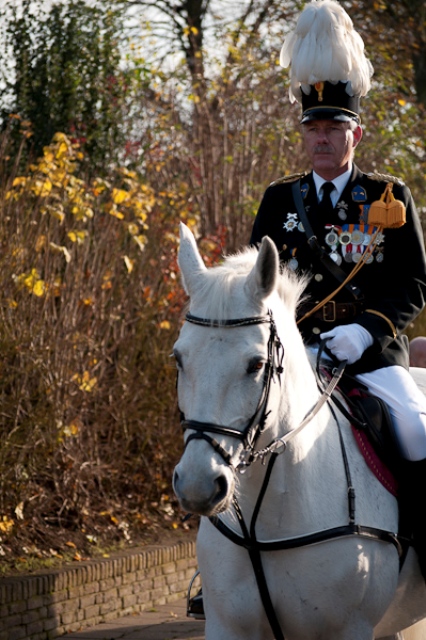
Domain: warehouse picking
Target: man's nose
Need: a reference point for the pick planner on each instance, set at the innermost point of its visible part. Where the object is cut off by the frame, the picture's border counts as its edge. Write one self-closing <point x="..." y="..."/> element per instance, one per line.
<point x="322" y="136"/>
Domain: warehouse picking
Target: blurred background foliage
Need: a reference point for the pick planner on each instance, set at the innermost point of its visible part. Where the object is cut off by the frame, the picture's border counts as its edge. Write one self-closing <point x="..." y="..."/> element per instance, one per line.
<point x="118" y="119"/>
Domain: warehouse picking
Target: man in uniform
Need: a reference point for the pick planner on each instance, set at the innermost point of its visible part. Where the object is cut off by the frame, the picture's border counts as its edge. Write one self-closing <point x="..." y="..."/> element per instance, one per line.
<point x="387" y="292"/>
<point x="357" y="234"/>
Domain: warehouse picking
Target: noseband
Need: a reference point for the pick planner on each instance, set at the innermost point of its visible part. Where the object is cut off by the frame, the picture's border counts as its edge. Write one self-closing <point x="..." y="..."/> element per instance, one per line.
<point x="273" y="366"/>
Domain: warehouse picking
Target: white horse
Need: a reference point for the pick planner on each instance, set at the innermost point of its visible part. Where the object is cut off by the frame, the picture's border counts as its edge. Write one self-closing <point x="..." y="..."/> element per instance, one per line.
<point x="250" y="402"/>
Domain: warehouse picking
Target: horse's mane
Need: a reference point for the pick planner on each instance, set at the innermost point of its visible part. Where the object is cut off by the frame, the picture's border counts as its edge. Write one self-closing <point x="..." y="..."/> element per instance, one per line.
<point x="222" y="282"/>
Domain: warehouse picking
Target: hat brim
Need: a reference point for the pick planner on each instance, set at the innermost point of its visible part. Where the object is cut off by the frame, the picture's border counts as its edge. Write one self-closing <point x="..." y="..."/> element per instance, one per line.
<point x="329" y="113"/>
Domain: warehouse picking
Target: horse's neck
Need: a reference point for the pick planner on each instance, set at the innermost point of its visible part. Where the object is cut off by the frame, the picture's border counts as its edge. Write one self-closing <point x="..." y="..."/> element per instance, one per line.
<point x="308" y="488"/>
<point x="298" y="472"/>
<point x="300" y="391"/>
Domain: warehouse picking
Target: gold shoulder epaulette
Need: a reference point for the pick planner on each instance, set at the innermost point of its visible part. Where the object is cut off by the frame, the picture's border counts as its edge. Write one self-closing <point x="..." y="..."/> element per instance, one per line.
<point x="385" y="178"/>
<point x="292" y="178"/>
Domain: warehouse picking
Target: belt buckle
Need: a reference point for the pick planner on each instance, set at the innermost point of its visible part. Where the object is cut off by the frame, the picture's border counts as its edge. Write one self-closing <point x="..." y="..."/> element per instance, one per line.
<point x="329" y="311"/>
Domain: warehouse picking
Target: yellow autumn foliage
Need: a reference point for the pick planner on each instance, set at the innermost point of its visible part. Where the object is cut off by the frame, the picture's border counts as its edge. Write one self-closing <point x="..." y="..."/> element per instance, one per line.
<point x="53" y="184"/>
<point x="32" y="282"/>
<point x="89" y="301"/>
<point x="85" y="382"/>
<point x="6" y="524"/>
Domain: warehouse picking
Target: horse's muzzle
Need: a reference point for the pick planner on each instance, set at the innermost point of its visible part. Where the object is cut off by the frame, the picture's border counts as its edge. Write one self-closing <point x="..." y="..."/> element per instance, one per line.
<point x="204" y="496"/>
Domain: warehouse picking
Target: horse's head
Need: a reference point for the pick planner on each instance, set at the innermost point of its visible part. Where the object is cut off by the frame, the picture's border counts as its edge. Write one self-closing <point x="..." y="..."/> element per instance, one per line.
<point x="229" y="358"/>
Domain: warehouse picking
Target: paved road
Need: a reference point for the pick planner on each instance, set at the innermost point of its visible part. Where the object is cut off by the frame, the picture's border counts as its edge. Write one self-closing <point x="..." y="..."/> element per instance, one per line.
<point x="168" y="622"/>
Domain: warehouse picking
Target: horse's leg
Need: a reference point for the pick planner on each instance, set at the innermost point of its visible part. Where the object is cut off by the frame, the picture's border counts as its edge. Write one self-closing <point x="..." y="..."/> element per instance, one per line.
<point x="360" y="630"/>
<point x="237" y="629"/>
<point x="232" y="602"/>
<point x="216" y="630"/>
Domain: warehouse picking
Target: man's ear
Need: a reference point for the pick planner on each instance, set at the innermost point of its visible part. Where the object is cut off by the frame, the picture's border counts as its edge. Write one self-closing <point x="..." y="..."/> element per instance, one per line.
<point x="357" y="135"/>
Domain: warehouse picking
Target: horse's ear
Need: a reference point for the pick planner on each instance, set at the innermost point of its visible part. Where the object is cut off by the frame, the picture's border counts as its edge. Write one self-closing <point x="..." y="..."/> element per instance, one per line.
<point x="262" y="279"/>
<point x="190" y="262"/>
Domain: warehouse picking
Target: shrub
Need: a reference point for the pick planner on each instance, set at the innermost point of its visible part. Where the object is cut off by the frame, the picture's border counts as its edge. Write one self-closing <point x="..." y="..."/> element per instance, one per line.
<point x="89" y="305"/>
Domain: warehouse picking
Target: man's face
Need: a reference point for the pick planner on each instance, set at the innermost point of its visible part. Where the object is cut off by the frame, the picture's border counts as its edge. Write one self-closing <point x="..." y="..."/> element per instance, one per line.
<point x="330" y="146"/>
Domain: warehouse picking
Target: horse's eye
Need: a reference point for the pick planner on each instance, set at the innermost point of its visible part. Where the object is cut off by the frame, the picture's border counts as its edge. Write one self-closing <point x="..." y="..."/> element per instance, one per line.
<point x="255" y="366"/>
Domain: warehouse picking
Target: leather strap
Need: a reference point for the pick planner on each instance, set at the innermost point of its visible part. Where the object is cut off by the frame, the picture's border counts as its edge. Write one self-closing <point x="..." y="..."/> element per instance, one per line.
<point x="315" y="246"/>
<point x="350" y="529"/>
<point x="332" y="311"/>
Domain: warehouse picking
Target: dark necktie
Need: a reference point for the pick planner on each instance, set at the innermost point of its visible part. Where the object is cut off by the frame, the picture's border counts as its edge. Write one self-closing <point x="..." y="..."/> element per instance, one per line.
<point x="326" y="205"/>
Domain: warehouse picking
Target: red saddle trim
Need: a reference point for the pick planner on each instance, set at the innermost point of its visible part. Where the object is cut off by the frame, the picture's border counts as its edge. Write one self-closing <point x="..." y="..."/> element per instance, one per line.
<point x="376" y="466"/>
<point x="372" y="460"/>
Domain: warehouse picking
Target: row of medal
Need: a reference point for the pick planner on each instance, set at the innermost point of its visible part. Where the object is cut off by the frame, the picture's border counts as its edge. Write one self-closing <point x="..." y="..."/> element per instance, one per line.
<point x="353" y="240"/>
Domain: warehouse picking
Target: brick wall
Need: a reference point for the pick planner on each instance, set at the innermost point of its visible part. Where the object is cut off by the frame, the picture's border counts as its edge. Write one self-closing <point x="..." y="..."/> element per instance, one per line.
<point x="50" y="604"/>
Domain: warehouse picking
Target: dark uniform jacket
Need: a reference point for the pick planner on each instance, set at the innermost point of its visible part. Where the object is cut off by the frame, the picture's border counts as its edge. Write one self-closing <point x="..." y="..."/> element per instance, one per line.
<point x="391" y="286"/>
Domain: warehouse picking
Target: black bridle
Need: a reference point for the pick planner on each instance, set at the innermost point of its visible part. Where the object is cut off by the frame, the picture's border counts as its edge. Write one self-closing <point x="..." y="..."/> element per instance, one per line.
<point x="256" y="425"/>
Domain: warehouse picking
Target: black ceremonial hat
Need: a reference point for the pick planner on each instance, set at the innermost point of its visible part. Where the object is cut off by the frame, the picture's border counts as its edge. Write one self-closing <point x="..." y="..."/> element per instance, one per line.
<point x="329" y="71"/>
<point x="329" y="101"/>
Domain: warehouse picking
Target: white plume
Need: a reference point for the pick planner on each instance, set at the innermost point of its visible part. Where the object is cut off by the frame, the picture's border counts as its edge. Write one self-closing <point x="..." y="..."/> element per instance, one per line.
<point x="325" y="46"/>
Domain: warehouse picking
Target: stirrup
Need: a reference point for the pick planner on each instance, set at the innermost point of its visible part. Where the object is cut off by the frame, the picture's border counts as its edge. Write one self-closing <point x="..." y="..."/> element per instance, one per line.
<point x="194" y="605"/>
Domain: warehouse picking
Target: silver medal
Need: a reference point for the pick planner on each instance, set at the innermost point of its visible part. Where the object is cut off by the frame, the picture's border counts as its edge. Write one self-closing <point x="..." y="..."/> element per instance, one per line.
<point x="345" y="238"/>
<point x="336" y="257"/>
<point x="331" y="238"/>
<point x="357" y="237"/>
<point x="290" y="225"/>
<point x="293" y="264"/>
<point x="342" y="214"/>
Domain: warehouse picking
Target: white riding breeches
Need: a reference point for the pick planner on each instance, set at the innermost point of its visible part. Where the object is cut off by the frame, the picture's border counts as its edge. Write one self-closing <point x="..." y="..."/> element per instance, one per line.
<point x="407" y="406"/>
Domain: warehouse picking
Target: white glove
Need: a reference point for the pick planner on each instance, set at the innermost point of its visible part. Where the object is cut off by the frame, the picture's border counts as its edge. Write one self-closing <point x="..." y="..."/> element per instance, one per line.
<point x="348" y="341"/>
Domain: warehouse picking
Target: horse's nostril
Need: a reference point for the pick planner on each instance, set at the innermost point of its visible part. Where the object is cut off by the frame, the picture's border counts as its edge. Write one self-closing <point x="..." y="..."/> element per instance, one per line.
<point x="175" y="478"/>
<point x="222" y="488"/>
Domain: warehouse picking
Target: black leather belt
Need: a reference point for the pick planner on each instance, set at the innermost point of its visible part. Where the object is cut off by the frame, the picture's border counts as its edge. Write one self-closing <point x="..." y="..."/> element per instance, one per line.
<point x="333" y="311"/>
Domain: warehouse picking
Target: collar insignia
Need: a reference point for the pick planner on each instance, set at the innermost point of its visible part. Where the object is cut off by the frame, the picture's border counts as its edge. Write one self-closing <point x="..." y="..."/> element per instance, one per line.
<point x="359" y="194"/>
<point x="304" y="190"/>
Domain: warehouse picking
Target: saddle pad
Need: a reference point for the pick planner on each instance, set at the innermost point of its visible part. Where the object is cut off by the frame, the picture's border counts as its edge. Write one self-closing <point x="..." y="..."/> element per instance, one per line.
<point x="376" y="466"/>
